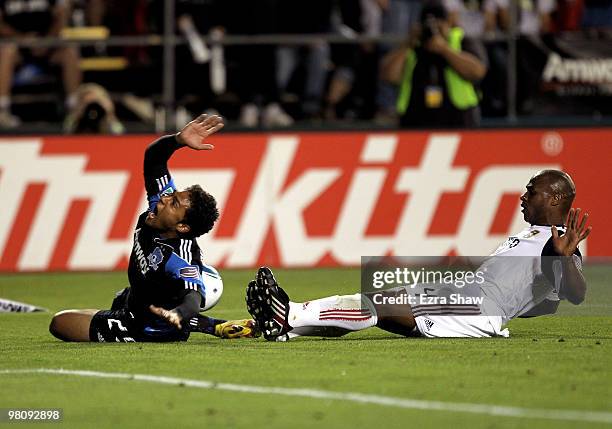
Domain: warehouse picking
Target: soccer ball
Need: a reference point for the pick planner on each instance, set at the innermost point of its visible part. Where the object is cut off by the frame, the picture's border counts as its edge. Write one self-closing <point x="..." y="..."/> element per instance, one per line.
<point x="213" y="286"/>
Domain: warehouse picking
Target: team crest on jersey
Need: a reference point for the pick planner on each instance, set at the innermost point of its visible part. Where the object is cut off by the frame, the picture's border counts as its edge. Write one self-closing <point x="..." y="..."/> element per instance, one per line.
<point x="511" y="242"/>
<point x="508" y="244"/>
<point x="530" y="234"/>
<point x="155" y="258"/>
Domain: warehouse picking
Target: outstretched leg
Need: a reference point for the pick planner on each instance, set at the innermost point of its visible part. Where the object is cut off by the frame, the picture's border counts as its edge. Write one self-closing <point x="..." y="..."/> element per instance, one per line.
<point x="281" y="319"/>
<point x="395" y="318"/>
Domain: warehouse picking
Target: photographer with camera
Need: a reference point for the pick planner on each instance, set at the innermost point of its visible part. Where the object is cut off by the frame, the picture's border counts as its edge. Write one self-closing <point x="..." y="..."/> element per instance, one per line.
<point x="436" y="71"/>
<point x="94" y="112"/>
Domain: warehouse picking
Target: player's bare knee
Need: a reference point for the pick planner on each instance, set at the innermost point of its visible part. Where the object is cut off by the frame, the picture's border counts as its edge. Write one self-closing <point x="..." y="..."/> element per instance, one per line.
<point x="70" y="325"/>
<point x="56" y="327"/>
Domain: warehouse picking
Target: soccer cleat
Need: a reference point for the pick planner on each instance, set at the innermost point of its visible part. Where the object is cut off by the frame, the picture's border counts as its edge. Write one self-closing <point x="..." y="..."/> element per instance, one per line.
<point x="268" y="303"/>
<point x="246" y="328"/>
<point x="252" y="301"/>
<point x="255" y="300"/>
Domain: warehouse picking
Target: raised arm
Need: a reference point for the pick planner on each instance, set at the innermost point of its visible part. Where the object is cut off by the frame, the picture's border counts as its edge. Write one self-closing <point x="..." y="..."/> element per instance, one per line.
<point x="156" y="174"/>
<point x="466" y="64"/>
<point x="573" y="284"/>
<point x="392" y="65"/>
<point x="157" y="177"/>
<point x="195" y="132"/>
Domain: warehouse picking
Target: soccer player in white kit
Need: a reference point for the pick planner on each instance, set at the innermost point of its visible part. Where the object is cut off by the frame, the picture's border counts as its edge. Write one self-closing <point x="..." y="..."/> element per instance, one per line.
<point x="526" y="276"/>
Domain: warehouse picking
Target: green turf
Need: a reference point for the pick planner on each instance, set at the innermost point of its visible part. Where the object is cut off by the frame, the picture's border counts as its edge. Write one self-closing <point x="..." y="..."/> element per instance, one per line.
<point x="559" y="362"/>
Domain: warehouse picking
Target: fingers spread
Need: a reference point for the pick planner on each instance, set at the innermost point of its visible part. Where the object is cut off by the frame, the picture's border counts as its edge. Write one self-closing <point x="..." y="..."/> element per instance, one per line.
<point x="211" y="120"/>
<point x="216" y="127"/>
<point x="583" y="223"/>
<point x="575" y="218"/>
<point x="586" y="233"/>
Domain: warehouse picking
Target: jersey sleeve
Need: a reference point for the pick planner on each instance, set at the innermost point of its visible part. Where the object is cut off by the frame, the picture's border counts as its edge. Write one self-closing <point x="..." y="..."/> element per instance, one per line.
<point x="184" y="268"/>
<point x="158" y="181"/>
<point x="553" y="269"/>
<point x="190" y="306"/>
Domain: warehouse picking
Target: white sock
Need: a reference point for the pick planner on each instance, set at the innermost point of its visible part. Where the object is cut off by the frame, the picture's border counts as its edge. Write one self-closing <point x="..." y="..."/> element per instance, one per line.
<point x="346" y="312"/>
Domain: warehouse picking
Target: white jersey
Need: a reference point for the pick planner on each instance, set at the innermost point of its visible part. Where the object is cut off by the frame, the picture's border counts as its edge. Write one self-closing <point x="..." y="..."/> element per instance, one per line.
<point x="523" y="272"/>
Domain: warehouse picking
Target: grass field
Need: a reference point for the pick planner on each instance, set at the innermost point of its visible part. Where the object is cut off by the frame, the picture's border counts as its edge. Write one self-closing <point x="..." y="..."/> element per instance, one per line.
<point x="549" y="363"/>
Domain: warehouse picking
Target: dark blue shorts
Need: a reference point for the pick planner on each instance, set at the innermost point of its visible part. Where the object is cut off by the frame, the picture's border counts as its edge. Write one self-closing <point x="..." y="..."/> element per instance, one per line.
<point x="120" y="326"/>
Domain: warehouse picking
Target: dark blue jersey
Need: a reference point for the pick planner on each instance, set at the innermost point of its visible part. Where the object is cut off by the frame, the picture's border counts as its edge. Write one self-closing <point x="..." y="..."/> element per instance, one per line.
<point x="162" y="272"/>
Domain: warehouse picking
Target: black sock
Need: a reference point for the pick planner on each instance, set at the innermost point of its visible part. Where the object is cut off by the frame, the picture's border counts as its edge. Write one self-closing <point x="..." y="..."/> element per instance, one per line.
<point x="204" y="324"/>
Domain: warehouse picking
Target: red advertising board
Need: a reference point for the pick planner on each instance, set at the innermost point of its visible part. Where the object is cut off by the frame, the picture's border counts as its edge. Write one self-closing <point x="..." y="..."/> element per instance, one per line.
<point x="298" y="199"/>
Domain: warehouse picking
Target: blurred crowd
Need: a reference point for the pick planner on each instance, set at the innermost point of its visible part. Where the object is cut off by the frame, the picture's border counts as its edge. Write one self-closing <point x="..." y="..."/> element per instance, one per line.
<point x="436" y="70"/>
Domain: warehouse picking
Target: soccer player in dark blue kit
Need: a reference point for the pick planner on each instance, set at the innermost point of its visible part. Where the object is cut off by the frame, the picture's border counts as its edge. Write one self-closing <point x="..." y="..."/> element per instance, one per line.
<point x="169" y="283"/>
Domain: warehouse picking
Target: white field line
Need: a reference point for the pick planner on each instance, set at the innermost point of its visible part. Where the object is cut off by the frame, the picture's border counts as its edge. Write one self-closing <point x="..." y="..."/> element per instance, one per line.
<point x="459" y="407"/>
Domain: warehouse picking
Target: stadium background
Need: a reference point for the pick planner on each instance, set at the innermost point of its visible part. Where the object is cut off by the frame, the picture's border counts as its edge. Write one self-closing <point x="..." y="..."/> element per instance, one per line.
<point x="309" y="198"/>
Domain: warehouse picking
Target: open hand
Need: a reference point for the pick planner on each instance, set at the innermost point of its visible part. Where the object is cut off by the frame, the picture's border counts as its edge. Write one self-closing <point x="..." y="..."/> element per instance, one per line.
<point x="196" y="131"/>
<point x="169" y="316"/>
<point x="567" y="244"/>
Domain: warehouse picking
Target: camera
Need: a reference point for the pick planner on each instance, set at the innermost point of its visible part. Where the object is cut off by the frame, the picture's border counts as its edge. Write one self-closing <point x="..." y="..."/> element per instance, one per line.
<point x="91" y="121"/>
<point x="430" y="28"/>
<point x="94" y="112"/>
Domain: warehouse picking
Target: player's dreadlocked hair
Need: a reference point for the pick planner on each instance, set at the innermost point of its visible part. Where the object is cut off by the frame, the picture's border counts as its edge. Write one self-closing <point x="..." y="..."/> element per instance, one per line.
<point x="202" y="214"/>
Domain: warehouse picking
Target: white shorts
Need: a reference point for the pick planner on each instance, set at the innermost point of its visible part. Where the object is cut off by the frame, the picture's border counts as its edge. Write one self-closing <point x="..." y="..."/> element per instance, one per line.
<point x="446" y="326"/>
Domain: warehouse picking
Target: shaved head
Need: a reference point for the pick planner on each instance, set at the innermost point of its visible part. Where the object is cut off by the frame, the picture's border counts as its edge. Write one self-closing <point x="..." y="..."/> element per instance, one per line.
<point x="549" y="197"/>
<point x="560" y="186"/>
